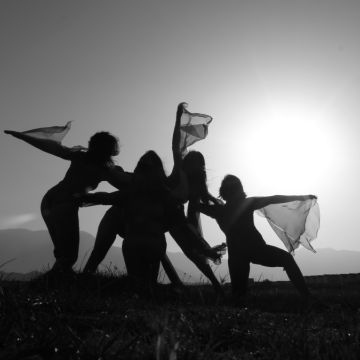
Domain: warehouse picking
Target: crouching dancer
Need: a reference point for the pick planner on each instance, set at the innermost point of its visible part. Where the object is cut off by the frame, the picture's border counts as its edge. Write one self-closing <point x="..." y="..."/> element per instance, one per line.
<point x="245" y="243"/>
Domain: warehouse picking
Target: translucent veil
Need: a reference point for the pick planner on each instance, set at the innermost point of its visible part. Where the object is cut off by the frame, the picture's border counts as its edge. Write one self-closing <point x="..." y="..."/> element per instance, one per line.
<point x="54" y="133"/>
<point x="295" y="223"/>
<point x="193" y="127"/>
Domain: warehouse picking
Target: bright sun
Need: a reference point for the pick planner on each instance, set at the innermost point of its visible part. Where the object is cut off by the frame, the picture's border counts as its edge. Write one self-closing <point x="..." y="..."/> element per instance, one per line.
<point x="292" y="139"/>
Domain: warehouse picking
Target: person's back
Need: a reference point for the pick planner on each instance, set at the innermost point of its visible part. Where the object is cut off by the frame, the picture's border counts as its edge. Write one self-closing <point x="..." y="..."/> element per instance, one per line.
<point x="144" y="217"/>
<point x="144" y="241"/>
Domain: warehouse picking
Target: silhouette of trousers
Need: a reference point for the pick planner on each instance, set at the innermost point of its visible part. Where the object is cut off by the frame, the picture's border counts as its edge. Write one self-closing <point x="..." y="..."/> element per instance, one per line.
<point x="62" y="221"/>
<point x="266" y="255"/>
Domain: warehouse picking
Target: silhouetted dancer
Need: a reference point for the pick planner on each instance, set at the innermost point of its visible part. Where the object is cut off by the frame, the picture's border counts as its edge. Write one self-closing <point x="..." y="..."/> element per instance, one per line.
<point x="147" y="210"/>
<point x="245" y="243"/>
<point x="88" y="167"/>
<point x="111" y="225"/>
<point x="188" y="182"/>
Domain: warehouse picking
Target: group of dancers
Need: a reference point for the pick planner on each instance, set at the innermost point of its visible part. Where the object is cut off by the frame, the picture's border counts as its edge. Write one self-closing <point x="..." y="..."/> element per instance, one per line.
<point x="148" y="203"/>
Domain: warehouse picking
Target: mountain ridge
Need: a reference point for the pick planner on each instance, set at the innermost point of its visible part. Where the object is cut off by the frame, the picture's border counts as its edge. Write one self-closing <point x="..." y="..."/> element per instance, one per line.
<point x="24" y="251"/>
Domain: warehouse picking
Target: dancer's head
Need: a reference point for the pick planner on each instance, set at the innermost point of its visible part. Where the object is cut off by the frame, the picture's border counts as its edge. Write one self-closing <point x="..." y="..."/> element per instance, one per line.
<point x="194" y="162"/>
<point x="149" y="170"/>
<point x="103" y="146"/>
<point x="231" y="186"/>
<point x="194" y="168"/>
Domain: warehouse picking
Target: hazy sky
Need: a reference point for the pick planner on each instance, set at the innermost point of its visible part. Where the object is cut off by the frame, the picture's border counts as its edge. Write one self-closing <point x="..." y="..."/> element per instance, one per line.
<point x="280" y="78"/>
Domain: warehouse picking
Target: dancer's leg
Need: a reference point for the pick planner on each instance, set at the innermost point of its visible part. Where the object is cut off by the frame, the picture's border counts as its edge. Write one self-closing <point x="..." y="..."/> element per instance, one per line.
<point x="154" y="250"/>
<point x="188" y="242"/>
<point x="202" y="264"/>
<point x="110" y="225"/>
<point x="273" y="256"/>
<point x="142" y="257"/>
<point x="62" y="222"/>
<point x="239" y="269"/>
<point x="133" y="260"/>
<point x="170" y="271"/>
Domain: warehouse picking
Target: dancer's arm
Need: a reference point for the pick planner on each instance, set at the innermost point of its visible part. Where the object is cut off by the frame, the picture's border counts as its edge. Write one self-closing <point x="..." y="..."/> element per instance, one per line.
<point x="176" y="139"/>
<point x="118" y="178"/>
<point x="101" y="198"/>
<point x="49" y="146"/>
<point x="260" y="202"/>
<point x="213" y="211"/>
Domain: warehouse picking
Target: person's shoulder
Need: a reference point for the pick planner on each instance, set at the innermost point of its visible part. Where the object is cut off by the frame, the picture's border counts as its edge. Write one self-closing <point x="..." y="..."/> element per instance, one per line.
<point x="117" y="168"/>
<point x="238" y="204"/>
<point x="112" y="168"/>
<point x="219" y="207"/>
<point x="77" y="154"/>
<point x="251" y="203"/>
<point x="116" y="175"/>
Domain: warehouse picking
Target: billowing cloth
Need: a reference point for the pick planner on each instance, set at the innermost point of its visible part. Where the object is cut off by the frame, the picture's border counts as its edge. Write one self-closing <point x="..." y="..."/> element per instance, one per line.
<point x="54" y="133"/>
<point x="295" y="223"/>
<point x="193" y="127"/>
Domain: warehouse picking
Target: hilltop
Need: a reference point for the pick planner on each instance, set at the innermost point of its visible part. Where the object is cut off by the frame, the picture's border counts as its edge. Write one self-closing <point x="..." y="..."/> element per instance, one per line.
<point x="108" y="318"/>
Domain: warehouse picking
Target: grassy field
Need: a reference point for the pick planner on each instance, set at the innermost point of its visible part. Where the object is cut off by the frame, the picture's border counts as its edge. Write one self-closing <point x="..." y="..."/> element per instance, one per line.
<point x="104" y="318"/>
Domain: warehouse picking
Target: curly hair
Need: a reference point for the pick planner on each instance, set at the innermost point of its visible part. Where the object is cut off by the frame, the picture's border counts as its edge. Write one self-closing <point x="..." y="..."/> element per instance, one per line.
<point x="103" y="146"/>
<point x="230" y="186"/>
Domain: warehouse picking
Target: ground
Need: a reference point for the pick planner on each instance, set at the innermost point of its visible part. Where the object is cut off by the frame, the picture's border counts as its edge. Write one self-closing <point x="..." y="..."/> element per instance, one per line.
<point x="103" y="317"/>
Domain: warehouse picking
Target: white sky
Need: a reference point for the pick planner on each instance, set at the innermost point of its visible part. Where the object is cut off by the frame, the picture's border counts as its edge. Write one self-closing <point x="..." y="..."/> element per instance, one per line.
<point x="280" y="78"/>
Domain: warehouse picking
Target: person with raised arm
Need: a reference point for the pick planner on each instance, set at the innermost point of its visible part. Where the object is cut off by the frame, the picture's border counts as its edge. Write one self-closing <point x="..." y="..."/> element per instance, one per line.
<point x="88" y="167"/>
<point x="188" y="184"/>
<point x="187" y="181"/>
<point x="148" y="210"/>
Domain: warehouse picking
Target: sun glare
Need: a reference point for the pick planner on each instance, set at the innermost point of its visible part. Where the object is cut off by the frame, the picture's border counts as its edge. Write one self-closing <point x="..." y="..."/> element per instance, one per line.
<point x="292" y="140"/>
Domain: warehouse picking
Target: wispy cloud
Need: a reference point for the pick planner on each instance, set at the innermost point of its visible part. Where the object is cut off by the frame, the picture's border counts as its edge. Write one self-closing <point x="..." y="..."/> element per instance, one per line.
<point x="16" y="220"/>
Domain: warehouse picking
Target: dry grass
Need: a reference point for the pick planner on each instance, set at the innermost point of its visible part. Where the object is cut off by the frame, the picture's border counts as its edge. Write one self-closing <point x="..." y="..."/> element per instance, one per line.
<point x="104" y="317"/>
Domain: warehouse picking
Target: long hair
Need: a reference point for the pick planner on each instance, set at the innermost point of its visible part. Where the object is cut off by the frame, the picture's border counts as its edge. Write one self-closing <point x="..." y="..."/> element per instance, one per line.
<point x="149" y="173"/>
<point x="194" y="168"/>
<point x="231" y="186"/>
<point x="102" y="147"/>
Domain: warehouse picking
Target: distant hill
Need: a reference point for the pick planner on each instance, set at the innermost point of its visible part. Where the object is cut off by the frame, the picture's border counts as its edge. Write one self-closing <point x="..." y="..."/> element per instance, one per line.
<point x="14" y="276"/>
<point x="24" y="251"/>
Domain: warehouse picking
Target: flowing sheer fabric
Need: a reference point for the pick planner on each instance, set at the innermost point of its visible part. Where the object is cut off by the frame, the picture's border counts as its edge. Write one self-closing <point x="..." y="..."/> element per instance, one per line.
<point x="193" y="127"/>
<point x="54" y="133"/>
<point x="295" y="223"/>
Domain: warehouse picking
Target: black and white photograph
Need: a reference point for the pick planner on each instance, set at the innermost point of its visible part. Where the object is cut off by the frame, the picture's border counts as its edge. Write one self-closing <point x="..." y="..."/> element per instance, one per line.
<point x="179" y="179"/>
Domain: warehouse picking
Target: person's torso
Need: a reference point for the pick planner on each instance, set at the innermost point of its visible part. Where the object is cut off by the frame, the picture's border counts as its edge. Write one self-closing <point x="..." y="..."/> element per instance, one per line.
<point x="237" y="222"/>
<point x="180" y="191"/>
<point x="145" y="216"/>
<point x="83" y="175"/>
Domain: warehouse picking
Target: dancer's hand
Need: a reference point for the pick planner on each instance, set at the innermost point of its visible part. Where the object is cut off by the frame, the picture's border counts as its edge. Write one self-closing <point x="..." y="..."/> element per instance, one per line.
<point x="180" y="108"/>
<point x="90" y="199"/>
<point x="10" y="132"/>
